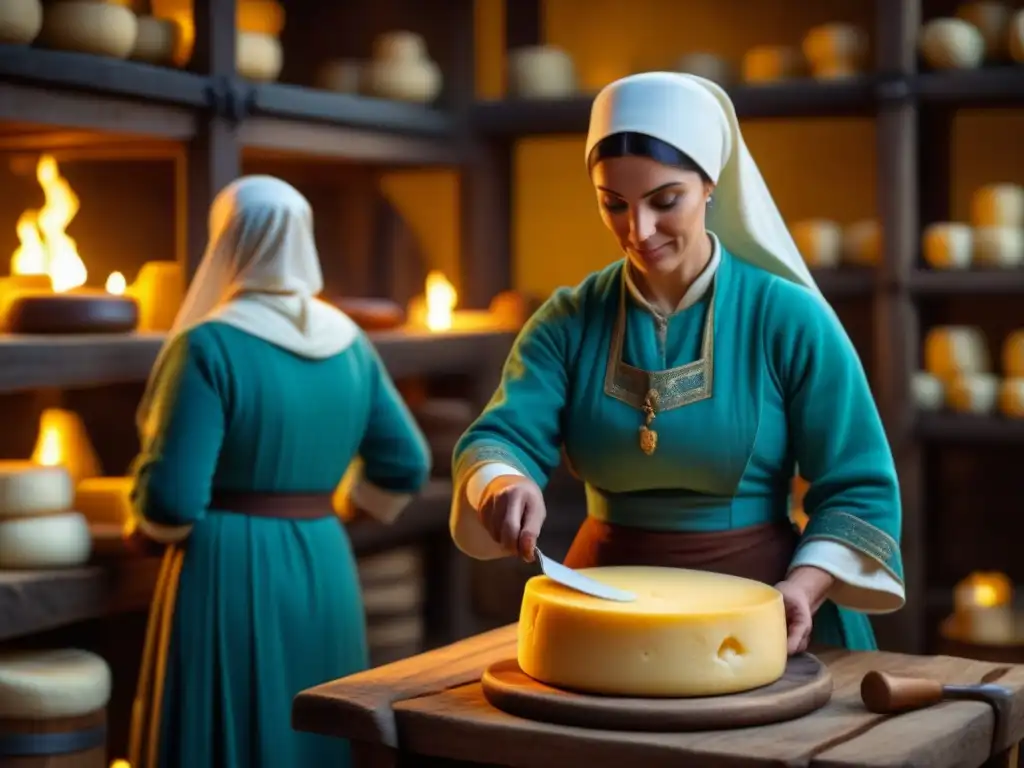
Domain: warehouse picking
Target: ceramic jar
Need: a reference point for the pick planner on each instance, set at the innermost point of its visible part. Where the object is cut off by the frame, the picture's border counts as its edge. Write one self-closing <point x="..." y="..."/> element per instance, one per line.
<point x="541" y="72"/>
<point x="20" y="21"/>
<point x="402" y="70"/>
<point x="89" y="26"/>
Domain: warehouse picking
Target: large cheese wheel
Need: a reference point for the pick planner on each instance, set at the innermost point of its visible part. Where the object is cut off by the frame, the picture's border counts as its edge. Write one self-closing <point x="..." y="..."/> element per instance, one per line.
<point x="32" y="489"/>
<point x="51" y="684"/>
<point x="688" y="633"/>
<point x="951" y="350"/>
<point x="53" y="541"/>
<point x="105" y="500"/>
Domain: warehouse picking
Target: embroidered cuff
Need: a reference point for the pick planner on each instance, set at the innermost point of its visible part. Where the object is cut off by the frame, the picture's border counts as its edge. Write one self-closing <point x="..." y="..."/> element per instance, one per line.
<point x="473" y="456"/>
<point x="855" y="533"/>
<point x="862" y="583"/>
<point x="163" y="534"/>
<point x="384" y="505"/>
<point x="483" y="475"/>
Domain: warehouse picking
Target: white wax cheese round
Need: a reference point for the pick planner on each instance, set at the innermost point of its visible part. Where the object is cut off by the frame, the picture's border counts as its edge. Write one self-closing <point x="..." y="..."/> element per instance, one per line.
<point x="1011" y="398"/>
<point x="50" y="541"/>
<point x="947" y="245"/>
<point x="928" y="391"/>
<point x="819" y="241"/>
<point x="973" y="393"/>
<point x="862" y="243"/>
<point x="951" y="44"/>
<point x="951" y="350"/>
<point x="998" y="205"/>
<point x="52" y="684"/>
<point x="688" y="633"/>
<point x="998" y="247"/>
<point x="32" y="489"/>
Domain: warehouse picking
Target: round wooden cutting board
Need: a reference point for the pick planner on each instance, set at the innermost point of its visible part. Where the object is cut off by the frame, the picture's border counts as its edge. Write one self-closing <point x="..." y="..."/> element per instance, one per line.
<point x="805" y="687"/>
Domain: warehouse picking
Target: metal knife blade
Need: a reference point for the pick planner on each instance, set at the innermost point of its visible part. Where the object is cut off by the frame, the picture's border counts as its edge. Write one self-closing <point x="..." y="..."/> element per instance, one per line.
<point x="567" y="577"/>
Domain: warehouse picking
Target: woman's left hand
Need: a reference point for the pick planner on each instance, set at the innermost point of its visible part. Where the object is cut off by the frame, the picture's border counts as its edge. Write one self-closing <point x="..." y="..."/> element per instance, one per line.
<point x="803" y="592"/>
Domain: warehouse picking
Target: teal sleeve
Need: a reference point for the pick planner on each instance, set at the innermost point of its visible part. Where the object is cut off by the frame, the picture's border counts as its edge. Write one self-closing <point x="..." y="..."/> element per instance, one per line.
<point x="174" y="471"/>
<point x="837" y="436"/>
<point x="521" y="425"/>
<point x="395" y="453"/>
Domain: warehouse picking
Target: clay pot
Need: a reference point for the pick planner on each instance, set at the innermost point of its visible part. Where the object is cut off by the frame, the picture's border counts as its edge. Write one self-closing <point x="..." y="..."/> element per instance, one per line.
<point x="89" y="26"/>
<point x="402" y="70"/>
<point x="20" y="21"/>
<point x="541" y="72"/>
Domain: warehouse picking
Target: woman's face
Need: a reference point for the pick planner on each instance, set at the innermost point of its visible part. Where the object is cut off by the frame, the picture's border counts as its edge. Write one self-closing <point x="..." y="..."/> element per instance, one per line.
<point x="655" y="211"/>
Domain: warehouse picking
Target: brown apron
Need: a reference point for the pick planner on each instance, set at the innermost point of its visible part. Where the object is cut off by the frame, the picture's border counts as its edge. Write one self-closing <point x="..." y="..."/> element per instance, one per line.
<point x="759" y="552"/>
<point x="144" y="738"/>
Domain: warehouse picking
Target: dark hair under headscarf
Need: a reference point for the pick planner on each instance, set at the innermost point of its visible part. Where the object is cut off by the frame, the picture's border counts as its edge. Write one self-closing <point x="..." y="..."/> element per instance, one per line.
<point x="629" y="144"/>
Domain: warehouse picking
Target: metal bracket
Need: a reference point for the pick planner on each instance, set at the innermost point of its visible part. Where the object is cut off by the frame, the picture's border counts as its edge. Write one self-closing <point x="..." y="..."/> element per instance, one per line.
<point x="230" y="98"/>
<point x="893" y="89"/>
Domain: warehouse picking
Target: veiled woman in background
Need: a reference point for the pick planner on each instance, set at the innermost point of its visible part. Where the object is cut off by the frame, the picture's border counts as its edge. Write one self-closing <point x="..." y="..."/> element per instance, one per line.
<point x="260" y="400"/>
<point x="687" y="381"/>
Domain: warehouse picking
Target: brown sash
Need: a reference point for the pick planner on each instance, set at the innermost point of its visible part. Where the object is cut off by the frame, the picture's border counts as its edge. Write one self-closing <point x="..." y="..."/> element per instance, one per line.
<point x="288" y="506"/>
<point x="760" y="552"/>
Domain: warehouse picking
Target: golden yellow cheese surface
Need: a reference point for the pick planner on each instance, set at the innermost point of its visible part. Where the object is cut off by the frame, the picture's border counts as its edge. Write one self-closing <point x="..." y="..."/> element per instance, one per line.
<point x="688" y="633"/>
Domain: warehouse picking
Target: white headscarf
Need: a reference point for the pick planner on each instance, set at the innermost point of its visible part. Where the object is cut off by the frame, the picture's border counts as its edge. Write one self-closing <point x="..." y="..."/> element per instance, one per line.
<point x="697" y="117"/>
<point x="261" y="274"/>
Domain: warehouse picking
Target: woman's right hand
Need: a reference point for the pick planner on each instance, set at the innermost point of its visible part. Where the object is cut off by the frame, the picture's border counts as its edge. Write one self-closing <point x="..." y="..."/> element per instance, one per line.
<point x="512" y="510"/>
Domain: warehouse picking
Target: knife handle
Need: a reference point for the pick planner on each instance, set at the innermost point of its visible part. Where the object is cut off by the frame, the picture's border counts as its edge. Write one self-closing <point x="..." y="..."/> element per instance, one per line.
<point x="886" y="694"/>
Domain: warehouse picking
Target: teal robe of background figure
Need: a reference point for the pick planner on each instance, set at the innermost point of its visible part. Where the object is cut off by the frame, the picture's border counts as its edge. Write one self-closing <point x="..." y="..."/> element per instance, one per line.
<point x="754" y="378"/>
<point x="264" y="607"/>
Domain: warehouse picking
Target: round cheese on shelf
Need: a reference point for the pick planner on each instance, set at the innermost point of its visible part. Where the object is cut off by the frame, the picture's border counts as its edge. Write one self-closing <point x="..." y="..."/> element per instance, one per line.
<point x="998" y="205"/>
<point x="50" y="541"/>
<point x="928" y="391"/>
<point x="950" y="350"/>
<point x="1013" y="354"/>
<point x="707" y="65"/>
<point x="951" y="44"/>
<point x="1000" y="247"/>
<point x="835" y="50"/>
<point x="992" y="19"/>
<point x="770" y="63"/>
<point x="819" y="241"/>
<point x="51" y="684"/>
<point x="862" y="243"/>
<point x="947" y="245"/>
<point x="1011" y="398"/>
<point x="28" y="489"/>
<point x="973" y="393"/>
<point x="688" y="633"/>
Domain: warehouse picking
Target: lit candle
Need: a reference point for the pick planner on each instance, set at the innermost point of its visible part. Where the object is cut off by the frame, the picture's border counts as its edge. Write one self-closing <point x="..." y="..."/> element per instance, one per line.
<point x="63" y="441"/>
<point x="982" y="608"/>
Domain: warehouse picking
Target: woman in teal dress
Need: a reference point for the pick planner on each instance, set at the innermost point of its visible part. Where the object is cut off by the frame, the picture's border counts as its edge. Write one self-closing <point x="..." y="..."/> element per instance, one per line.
<point x="260" y="400"/>
<point x="687" y="382"/>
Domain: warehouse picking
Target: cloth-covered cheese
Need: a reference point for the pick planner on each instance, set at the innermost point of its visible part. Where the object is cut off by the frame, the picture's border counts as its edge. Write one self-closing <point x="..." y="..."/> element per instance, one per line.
<point x="51" y="684"/>
<point x="32" y="489"/>
<point x="52" y="541"/>
<point x="688" y="633"/>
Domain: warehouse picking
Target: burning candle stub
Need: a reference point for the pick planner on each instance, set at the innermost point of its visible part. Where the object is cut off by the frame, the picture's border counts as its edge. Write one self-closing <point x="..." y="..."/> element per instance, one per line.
<point x="45" y="292"/>
<point x="983" y="610"/>
<point x="436" y="310"/>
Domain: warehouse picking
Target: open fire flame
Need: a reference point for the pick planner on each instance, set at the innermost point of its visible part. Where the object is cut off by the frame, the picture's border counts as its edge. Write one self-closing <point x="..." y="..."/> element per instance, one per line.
<point x="44" y="245"/>
<point x="441" y="299"/>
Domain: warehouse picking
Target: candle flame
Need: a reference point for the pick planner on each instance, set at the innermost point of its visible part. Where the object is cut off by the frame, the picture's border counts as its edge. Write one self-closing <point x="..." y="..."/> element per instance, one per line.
<point x="441" y="300"/>
<point x="120" y="764"/>
<point x="44" y="245"/>
<point x="49" y="445"/>
<point x="116" y="284"/>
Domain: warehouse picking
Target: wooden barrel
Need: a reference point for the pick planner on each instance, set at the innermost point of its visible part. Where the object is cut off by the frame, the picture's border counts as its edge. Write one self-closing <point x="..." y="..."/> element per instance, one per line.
<point x="53" y="709"/>
<point x="393" y="599"/>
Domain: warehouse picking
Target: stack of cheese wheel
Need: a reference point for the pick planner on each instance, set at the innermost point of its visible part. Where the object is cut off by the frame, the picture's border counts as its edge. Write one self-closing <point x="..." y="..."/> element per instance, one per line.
<point x="957" y="371"/>
<point x="37" y="527"/>
<point x="997" y="218"/>
<point x="393" y="598"/>
<point x="1011" y="391"/>
<point x="53" y="709"/>
<point x="687" y="633"/>
<point x="825" y="244"/>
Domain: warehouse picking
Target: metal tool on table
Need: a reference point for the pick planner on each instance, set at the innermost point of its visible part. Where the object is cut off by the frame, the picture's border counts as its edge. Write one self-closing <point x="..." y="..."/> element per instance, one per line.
<point x="886" y="694"/>
<point x="567" y="577"/>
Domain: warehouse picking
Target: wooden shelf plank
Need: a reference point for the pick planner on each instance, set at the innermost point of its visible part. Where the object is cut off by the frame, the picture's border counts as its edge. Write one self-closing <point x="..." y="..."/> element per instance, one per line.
<point x="845" y="282"/>
<point x="31" y="362"/>
<point x="804" y="98"/>
<point x="968" y="282"/>
<point x="990" y="86"/>
<point x="965" y="428"/>
<point x="37" y="601"/>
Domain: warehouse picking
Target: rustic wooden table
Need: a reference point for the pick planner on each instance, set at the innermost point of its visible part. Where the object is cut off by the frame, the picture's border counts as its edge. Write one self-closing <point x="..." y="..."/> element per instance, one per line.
<point x="429" y="711"/>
